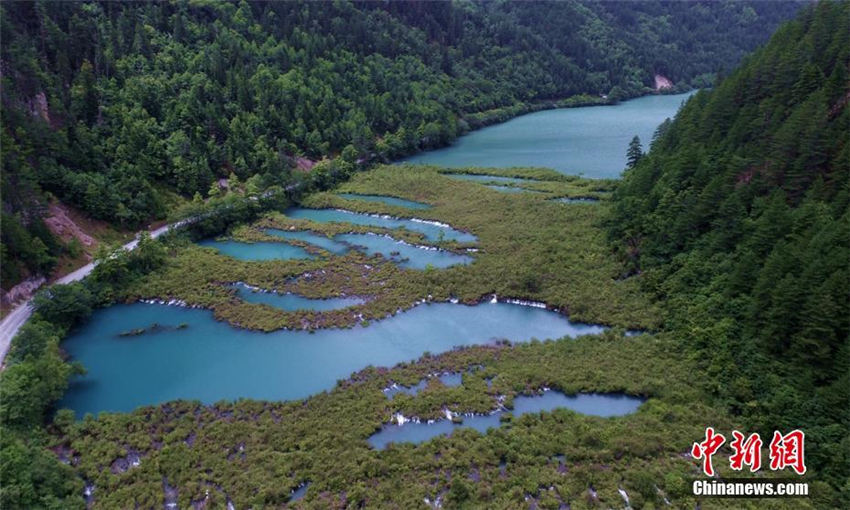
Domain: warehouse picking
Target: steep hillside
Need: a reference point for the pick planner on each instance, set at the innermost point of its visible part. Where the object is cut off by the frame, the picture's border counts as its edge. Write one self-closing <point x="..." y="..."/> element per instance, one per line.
<point x="113" y="107"/>
<point x="740" y="216"/>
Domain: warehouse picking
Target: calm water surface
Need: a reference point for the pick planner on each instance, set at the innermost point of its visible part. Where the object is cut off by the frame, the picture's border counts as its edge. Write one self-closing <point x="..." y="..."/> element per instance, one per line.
<point x="431" y="231"/>
<point x="211" y="361"/>
<point x="595" y="404"/>
<point x="257" y="251"/>
<point x="405" y="255"/>
<point x="589" y="140"/>
<point x="299" y="492"/>
<point x="291" y="302"/>
<point x="313" y="238"/>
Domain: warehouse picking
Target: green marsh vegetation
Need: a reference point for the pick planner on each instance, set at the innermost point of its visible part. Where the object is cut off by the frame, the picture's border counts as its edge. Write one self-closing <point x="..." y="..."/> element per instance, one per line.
<point x="545" y="179"/>
<point x="528" y="247"/>
<point x="255" y="453"/>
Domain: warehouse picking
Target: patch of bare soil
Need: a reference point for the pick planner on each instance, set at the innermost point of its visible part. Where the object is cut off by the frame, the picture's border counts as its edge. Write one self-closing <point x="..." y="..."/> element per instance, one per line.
<point x="662" y="82"/>
<point x="63" y="226"/>
<point x="68" y="224"/>
<point x="304" y="164"/>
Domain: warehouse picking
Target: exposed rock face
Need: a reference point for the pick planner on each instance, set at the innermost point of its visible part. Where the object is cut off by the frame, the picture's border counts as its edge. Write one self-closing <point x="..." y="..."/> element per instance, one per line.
<point x="38" y="107"/>
<point x="662" y="82"/>
<point x="23" y="290"/>
<point x="63" y="226"/>
<point x="304" y="164"/>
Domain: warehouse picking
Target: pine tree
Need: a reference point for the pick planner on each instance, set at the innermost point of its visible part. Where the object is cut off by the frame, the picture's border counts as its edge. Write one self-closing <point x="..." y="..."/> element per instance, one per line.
<point x="635" y="152"/>
<point x="214" y="191"/>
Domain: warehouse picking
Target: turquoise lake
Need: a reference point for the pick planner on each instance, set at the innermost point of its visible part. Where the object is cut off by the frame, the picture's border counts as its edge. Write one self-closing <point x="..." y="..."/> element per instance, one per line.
<point x="433" y="231"/>
<point x="211" y="361"/>
<point x="594" y="404"/>
<point x="590" y="140"/>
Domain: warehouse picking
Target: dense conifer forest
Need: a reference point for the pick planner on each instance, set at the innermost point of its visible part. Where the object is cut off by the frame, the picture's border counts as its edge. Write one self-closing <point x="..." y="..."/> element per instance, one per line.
<point x="739" y="220"/>
<point x="124" y="109"/>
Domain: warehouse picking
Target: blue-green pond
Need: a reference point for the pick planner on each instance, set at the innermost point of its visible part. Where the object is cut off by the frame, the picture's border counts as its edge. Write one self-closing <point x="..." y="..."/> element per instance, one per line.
<point x="432" y="230"/>
<point x="209" y="360"/>
<point x="589" y="140"/>
<point x="299" y="492"/>
<point x="401" y="202"/>
<point x="313" y="238"/>
<point x="404" y="254"/>
<point x="291" y="302"/>
<point x="595" y="404"/>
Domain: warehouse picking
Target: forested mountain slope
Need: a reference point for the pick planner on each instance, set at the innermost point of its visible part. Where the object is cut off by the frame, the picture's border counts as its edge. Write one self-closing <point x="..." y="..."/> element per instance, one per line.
<point x="115" y="107"/>
<point x="740" y="218"/>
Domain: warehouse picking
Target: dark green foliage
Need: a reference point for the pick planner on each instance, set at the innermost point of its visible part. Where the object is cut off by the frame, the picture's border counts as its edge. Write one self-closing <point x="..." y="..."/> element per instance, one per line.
<point x="32" y="478"/>
<point x="29" y="386"/>
<point x="64" y="305"/>
<point x="739" y="216"/>
<point x="32" y="340"/>
<point x="634" y="152"/>
<point x="25" y="249"/>
<point x="113" y="106"/>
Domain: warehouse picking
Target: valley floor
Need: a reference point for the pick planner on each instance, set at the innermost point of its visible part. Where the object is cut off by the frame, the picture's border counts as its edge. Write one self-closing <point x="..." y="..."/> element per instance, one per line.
<point x="252" y="454"/>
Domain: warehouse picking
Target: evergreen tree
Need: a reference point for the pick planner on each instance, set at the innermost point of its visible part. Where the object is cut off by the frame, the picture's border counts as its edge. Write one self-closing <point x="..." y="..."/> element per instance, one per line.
<point x="634" y="152"/>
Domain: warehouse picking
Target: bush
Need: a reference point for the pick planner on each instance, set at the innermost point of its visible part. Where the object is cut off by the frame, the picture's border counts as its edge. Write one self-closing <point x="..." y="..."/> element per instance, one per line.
<point x="64" y="305"/>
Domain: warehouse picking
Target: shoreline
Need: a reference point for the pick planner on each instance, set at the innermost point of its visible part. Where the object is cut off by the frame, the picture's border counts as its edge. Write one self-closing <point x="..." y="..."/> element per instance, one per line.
<point x="493" y="117"/>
